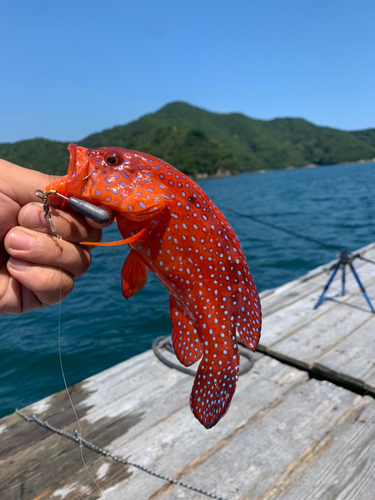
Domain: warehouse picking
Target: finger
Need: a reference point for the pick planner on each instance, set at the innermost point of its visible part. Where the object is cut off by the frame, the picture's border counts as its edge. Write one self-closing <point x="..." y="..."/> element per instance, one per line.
<point x="21" y="183"/>
<point x="71" y="227"/>
<point x="48" y="284"/>
<point x="15" y="298"/>
<point x="46" y="250"/>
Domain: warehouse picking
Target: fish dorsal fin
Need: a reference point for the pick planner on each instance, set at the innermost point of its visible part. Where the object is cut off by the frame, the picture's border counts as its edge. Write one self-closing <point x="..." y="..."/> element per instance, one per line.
<point x="185" y="340"/>
<point x="134" y="274"/>
<point x="215" y="384"/>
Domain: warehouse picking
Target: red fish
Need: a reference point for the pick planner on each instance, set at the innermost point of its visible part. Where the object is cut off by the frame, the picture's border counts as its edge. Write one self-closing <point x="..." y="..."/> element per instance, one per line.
<point x="183" y="238"/>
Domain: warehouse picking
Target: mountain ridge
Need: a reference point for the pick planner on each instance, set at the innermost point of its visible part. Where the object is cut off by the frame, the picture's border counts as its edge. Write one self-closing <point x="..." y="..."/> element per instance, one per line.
<point x="199" y="142"/>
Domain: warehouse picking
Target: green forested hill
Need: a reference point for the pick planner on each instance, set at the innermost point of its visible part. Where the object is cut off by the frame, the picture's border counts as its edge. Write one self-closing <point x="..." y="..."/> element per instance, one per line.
<point x="197" y="141"/>
<point x="40" y="154"/>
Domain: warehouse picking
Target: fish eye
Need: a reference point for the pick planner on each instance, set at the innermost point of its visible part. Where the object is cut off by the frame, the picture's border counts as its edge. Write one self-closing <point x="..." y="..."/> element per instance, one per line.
<point x="113" y="159"/>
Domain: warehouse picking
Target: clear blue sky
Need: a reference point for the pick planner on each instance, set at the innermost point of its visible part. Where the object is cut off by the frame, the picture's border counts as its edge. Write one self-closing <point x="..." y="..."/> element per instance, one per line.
<point x="71" y="68"/>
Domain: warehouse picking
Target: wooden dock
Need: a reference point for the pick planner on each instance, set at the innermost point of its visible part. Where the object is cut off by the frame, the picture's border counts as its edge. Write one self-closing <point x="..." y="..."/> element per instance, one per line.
<point x="301" y="424"/>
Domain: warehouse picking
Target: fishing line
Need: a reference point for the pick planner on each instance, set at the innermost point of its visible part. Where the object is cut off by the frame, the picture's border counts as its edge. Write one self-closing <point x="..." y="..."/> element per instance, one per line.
<point x="43" y="195"/>
<point x="280" y="228"/>
<point x="345" y="258"/>
<point x="81" y="207"/>
<point x="64" y="379"/>
<point x="89" y="211"/>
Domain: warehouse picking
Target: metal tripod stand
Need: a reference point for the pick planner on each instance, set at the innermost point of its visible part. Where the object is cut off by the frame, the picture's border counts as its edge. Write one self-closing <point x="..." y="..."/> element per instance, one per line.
<point x="346" y="259"/>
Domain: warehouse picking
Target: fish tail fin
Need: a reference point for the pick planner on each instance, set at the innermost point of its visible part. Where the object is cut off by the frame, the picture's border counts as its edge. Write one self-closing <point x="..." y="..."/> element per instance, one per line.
<point x="214" y="386"/>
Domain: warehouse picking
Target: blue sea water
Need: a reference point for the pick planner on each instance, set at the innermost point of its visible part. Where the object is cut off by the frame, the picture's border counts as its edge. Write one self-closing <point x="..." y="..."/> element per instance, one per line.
<point x="99" y="328"/>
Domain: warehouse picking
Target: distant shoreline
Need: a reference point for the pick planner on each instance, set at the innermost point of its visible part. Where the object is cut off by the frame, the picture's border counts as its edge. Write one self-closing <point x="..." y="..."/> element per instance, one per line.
<point x="230" y="173"/>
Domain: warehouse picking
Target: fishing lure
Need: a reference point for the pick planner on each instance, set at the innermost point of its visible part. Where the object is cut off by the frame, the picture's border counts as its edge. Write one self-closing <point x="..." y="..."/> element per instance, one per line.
<point x="174" y="230"/>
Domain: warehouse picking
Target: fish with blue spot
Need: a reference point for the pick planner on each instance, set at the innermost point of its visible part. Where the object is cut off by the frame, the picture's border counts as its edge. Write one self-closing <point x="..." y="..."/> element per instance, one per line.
<point x="175" y="231"/>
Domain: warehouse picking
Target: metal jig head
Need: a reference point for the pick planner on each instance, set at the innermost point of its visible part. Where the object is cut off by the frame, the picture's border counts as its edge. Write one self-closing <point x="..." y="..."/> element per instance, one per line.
<point x="85" y="208"/>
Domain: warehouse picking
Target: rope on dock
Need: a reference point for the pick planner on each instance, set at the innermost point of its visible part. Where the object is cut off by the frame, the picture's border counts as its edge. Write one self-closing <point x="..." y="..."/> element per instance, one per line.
<point x="78" y="439"/>
<point x="247" y="360"/>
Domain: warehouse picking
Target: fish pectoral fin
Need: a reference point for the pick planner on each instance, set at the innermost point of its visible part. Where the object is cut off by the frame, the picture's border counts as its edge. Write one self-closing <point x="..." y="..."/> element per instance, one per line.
<point x="214" y="385"/>
<point x="147" y="199"/>
<point x="134" y="274"/>
<point x="145" y="214"/>
<point x="185" y="340"/>
<point x="141" y="236"/>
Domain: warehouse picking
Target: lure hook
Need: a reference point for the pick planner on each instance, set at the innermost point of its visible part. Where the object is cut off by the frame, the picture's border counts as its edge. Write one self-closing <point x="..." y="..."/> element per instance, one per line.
<point x="43" y="195"/>
<point x="85" y="208"/>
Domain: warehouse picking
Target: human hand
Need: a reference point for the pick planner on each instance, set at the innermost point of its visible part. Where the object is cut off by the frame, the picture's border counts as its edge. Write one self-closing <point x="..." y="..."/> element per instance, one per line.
<point x="36" y="268"/>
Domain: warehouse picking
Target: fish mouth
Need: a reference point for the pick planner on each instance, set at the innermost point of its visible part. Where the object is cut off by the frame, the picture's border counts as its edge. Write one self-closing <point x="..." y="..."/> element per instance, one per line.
<point x="78" y="169"/>
<point x="79" y="161"/>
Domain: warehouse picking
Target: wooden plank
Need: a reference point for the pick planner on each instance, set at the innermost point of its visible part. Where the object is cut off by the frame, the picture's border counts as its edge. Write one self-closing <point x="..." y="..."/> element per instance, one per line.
<point x="101" y="389"/>
<point x="180" y="442"/>
<point x="342" y="466"/>
<point x="41" y="470"/>
<point x="290" y="319"/>
<point x="323" y="340"/>
<point x="56" y="464"/>
<point x="353" y="359"/>
<point x="117" y="390"/>
<point x="260" y="455"/>
<point x="311" y="282"/>
<point x="324" y="332"/>
<point x="292" y="294"/>
<point x="301" y="310"/>
<point x="53" y="461"/>
<point x="98" y="396"/>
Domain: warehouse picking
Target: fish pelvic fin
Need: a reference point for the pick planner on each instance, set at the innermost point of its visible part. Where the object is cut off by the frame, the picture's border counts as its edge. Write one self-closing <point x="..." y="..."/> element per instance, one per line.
<point x="185" y="340"/>
<point x="134" y="274"/>
<point x="214" y="386"/>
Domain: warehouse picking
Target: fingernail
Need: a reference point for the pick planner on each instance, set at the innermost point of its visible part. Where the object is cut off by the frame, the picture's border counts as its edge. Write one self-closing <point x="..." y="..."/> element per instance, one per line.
<point x="34" y="217"/>
<point x="20" y="241"/>
<point x="18" y="264"/>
